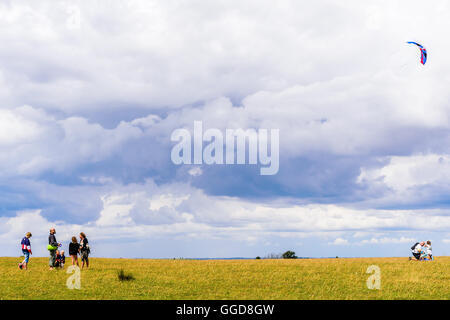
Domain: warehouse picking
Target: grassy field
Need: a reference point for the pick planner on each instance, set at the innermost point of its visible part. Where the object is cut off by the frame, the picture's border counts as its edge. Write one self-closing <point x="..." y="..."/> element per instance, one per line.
<point x="231" y="279"/>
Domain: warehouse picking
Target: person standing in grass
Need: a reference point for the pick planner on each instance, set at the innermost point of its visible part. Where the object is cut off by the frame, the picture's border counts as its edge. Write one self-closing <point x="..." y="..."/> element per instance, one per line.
<point x="26" y="250"/>
<point x="74" y="247"/>
<point x="84" y="250"/>
<point x="53" y="245"/>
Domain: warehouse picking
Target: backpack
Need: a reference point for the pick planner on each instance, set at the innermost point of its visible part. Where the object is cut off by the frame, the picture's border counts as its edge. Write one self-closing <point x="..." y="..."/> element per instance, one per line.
<point x="87" y="248"/>
<point x="51" y="248"/>
<point x="414" y="246"/>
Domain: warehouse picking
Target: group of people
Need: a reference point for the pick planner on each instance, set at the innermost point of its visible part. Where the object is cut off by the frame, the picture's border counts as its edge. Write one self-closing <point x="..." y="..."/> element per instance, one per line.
<point x="57" y="257"/>
<point x="422" y="251"/>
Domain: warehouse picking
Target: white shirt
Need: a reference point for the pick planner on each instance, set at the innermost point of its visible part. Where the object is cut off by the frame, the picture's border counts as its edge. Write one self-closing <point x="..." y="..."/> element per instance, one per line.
<point x="428" y="249"/>
<point x="418" y="248"/>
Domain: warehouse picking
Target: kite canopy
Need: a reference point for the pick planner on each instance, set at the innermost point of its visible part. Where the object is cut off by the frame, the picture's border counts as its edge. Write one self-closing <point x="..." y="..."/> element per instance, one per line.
<point x="423" y="52"/>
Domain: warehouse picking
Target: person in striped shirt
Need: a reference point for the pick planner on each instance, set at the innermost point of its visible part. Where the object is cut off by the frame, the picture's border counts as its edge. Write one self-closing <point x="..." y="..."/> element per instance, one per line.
<point x="26" y="250"/>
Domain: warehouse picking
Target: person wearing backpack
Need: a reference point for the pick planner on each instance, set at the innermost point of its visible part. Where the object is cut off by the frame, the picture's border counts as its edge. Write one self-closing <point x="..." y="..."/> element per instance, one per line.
<point x="416" y="250"/>
<point x="52" y="247"/>
<point x="84" y="250"/>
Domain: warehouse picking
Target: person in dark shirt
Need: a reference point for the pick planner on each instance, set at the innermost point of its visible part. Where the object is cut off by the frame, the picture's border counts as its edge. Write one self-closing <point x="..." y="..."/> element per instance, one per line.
<point x="84" y="250"/>
<point x="62" y="259"/>
<point x="58" y="259"/>
<point x="74" y="247"/>
<point x="52" y="242"/>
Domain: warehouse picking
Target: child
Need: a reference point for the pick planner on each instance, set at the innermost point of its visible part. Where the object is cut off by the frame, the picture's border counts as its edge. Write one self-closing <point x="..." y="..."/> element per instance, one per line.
<point x="26" y="250"/>
<point x="74" y="247"/>
<point x="58" y="259"/>
<point x="429" y="250"/>
<point x="62" y="259"/>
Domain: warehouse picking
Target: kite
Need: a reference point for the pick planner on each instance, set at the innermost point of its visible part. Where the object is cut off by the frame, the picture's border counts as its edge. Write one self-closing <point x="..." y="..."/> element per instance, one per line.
<point x="423" y="52"/>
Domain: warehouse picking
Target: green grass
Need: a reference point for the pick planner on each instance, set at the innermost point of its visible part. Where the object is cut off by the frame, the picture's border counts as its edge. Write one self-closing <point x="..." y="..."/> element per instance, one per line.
<point x="230" y="279"/>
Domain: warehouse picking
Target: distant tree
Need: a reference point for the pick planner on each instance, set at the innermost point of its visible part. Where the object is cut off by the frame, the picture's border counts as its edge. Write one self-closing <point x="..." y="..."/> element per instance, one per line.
<point x="258" y="258"/>
<point x="289" y="255"/>
<point x="273" y="256"/>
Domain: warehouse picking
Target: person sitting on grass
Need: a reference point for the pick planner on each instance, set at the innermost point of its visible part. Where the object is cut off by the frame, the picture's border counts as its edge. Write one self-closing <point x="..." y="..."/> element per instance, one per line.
<point x="26" y="250"/>
<point x="74" y="247"/>
<point x="62" y="259"/>
<point x="58" y="259"/>
<point x="423" y="254"/>
<point x="417" y="250"/>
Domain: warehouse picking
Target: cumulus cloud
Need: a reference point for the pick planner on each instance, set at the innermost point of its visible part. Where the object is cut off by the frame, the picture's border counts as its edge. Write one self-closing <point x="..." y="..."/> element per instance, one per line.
<point x="387" y="240"/>
<point x="403" y="173"/>
<point x="196" y="171"/>
<point x="90" y="95"/>
<point x="339" y="242"/>
<point x="410" y="179"/>
<point x="34" y="141"/>
<point x="178" y="211"/>
<point x="179" y="53"/>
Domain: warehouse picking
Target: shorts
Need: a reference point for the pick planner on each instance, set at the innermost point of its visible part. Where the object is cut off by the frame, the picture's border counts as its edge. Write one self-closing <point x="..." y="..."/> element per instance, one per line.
<point x="26" y="255"/>
<point x="416" y="255"/>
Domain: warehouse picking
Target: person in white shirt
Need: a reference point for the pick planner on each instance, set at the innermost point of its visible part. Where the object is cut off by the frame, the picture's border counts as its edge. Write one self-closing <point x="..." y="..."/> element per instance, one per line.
<point x="429" y="250"/>
<point x="417" y="251"/>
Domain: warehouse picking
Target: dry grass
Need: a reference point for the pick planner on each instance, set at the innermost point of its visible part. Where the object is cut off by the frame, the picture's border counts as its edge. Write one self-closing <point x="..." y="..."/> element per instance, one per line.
<point x="231" y="279"/>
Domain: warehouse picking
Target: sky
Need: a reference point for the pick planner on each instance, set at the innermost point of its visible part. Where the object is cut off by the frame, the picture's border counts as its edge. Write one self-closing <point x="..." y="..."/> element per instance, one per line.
<point x="91" y="91"/>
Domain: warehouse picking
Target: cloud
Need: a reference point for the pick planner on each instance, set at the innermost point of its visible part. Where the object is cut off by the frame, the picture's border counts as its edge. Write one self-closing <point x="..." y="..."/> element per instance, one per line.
<point x="171" y="213"/>
<point x="336" y="111"/>
<point x="91" y="94"/>
<point x="195" y="172"/>
<point x="179" y="208"/>
<point x="339" y="242"/>
<point x="179" y="54"/>
<point x="388" y="240"/>
<point x="408" y="172"/>
<point x="412" y="179"/>
<point x="34" y="141"/>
